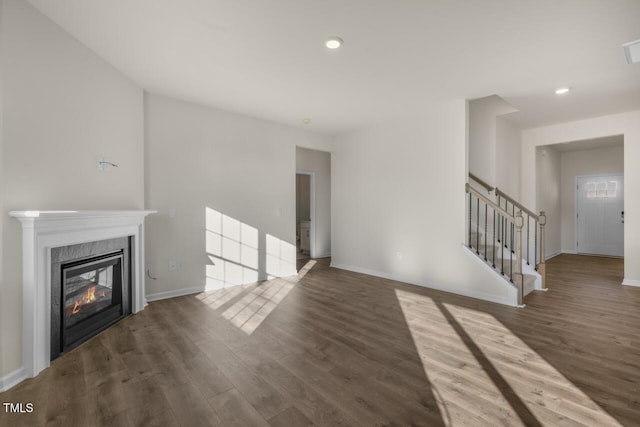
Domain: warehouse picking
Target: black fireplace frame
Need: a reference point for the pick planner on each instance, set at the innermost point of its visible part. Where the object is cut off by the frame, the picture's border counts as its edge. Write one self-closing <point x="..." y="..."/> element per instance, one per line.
<point x="74" y="257"/>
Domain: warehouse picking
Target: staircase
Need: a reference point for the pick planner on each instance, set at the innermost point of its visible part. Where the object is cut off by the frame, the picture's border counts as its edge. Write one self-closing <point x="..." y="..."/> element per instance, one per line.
<point x="507" y="236"/>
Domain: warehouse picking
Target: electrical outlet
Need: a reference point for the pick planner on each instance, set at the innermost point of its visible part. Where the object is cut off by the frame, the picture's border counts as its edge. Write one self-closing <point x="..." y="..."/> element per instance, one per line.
<point x="173" y="265"/>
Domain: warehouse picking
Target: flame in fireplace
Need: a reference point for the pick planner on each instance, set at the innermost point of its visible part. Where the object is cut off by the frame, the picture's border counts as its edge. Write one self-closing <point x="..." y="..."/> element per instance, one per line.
<point x="88" y="297"/>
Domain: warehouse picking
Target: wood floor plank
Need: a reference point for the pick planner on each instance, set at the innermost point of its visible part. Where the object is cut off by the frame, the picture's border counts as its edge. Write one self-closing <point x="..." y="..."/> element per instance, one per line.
<point x="190" y="407"/>
<point x="291" y="417"/>
<point x="235" y="411"/>
<point x="266" y="399"/>
<point x="338" y="348"/>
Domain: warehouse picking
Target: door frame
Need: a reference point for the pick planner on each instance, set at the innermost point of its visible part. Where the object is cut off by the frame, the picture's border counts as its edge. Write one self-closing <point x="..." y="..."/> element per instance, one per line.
<point x="575" y="203"/>
<point x="312" y="209"/>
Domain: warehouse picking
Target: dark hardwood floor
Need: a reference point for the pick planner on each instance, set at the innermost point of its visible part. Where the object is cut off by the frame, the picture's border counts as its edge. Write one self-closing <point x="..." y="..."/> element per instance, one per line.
<point x="334" y="348"/>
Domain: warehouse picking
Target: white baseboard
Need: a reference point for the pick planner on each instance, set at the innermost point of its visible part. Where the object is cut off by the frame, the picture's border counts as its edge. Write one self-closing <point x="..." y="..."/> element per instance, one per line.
<point x="631" y="282"/>
<point x="197" y="289"/>
<point x="569" y="251"/>
<point x="553" y="255"/>
<point x="175" y="293"/>
<point x="327" y="255"/>
<point x="12" y="379"/>
<point x="423" y="283"/>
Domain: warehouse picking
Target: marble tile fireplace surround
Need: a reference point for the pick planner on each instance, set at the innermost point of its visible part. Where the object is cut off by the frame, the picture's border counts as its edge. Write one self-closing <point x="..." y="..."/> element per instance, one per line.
<point x="44" y="231"/>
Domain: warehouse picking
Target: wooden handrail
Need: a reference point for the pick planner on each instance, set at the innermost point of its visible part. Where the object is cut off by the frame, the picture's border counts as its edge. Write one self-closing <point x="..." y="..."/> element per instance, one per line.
<point x="489" y="202"/>
<point x="488" y="187"/>
<point x="517" y="204"/>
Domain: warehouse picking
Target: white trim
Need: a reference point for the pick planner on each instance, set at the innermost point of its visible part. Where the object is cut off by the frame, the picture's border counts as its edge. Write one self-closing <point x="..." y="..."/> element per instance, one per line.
<point x="425" y="284"/>
<point x="575" y="206"/>
<point x="174" y="293"/>
<point x="198" y="289"/>
<point x="43" y="230"/>
<point x="631" y="282"/>
<point x="312" y="210"/>
<point x="569" y="251"/>
<point x="325" y="255"/>
<point x="553" y="255"/>
<point x="12" y="378"/>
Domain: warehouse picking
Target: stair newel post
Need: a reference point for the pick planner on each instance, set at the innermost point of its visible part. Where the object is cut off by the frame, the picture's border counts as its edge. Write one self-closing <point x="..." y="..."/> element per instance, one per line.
<point x="500" y="228"/>
<point x="486" y="230"/>
<point x="493" y="259"/>
<point x="528" y="245"/>
<point x="470" y="211"/>
<point x="542" y="265"/>
<point x="519" y="223"/>
<point x="478" y="226"/>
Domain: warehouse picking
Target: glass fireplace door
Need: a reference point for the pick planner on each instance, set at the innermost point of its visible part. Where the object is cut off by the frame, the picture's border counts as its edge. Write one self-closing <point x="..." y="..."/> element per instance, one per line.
<point x="91" y="296"/>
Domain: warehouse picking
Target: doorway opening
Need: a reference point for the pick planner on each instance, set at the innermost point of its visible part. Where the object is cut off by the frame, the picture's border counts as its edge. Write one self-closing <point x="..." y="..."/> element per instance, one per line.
<point x="305" y="194"/>
<point x="313" y="204"/>
<point x="581" y="188"/>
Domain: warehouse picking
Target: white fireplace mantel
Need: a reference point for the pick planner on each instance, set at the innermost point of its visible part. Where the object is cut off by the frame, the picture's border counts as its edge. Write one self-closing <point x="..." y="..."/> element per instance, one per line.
<point x="43" y="230"/>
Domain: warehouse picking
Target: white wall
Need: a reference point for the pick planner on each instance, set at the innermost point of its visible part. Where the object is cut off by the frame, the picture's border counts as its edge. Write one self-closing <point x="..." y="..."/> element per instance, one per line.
<point x="507" y="163"/>
<point x="231" y="181"/>
<point x="549" y="197"/>
<point x="483" y="136"/>
<point x="579" y="163"/>
<point x="4" y="311"/>
<point x="319" y="162"/>
<point x="62" y="107"/>
<point x="627" y="124"/>
<point x="399" y="204"/>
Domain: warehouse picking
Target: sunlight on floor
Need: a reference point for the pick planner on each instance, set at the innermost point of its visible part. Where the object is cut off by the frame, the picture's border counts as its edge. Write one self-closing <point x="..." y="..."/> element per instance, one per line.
<point x="250" y="311"/>
<point x="306" y="268"/>
<point x="561" y="395"/>
<point x="493" y="373"/>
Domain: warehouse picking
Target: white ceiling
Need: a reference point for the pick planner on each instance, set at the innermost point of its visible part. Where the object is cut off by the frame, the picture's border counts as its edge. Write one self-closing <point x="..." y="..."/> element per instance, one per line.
<point x="267" y="58"/>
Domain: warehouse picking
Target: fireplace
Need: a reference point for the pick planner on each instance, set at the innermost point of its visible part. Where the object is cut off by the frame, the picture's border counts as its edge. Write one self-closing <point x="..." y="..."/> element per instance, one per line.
<point x="90" y="290"/>
<point x="51" y="239"/>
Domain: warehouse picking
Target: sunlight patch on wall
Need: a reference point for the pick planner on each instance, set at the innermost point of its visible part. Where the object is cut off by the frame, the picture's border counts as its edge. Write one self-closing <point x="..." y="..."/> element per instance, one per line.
<point x="232" y="249"/>
<point x="281" y="257"/>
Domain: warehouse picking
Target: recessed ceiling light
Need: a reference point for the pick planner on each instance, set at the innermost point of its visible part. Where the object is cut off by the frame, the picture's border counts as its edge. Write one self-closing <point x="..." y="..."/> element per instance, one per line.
<point x="562" y="90"/>
<point x="333" y="42"/>
<point x="306" y="121"/>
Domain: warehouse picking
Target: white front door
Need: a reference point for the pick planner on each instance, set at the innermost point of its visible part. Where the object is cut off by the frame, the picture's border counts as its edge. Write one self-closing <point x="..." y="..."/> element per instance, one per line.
<point x="600" y="215"/>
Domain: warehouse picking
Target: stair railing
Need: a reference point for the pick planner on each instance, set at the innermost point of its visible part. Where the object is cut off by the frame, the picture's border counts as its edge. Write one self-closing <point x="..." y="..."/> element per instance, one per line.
<point x="481" y="182"/>
<point x="481" y="209"/>
<point x="534" y="249"/>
